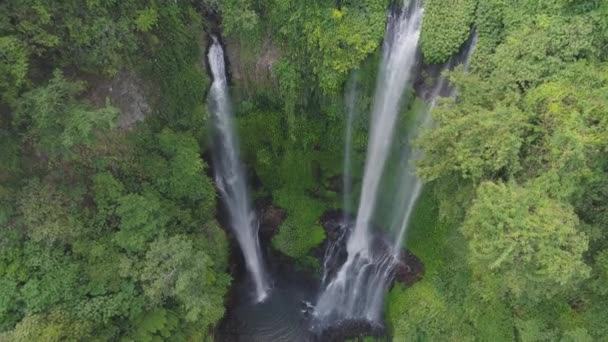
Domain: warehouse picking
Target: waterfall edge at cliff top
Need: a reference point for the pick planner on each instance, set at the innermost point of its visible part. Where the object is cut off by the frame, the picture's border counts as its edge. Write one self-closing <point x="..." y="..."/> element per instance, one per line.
<point x="230" y="176"/>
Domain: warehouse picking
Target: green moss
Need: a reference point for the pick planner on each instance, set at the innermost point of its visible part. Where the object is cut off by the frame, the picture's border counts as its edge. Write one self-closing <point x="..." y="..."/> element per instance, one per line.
<point x="301" y="231"/>
<point x="292" y="173"/>
<point x="446" y="25"/>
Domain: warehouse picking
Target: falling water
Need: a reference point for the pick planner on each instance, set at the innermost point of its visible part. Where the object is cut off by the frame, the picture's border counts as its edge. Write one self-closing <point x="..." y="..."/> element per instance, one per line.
<point x="403" y="32"/>
<point x="352" y="292"/>
<point x="350" y="101"/>
<point x="229" y="174"/>
<point x="408" y="180"/>
<point x="357" y="290"/>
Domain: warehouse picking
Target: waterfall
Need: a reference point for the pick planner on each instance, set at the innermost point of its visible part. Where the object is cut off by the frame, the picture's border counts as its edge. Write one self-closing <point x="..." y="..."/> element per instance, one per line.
<point x="350" y="101"/>
<point x="403" y="32"/>
<point x="408" y="180"/>
<point x="229" y="174"/>
<point x="352" y="292"/>
<point x="358" y="288"/>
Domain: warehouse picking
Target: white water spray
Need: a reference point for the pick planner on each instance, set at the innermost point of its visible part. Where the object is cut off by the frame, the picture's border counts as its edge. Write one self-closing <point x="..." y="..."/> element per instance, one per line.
<point x="229" y="174"/>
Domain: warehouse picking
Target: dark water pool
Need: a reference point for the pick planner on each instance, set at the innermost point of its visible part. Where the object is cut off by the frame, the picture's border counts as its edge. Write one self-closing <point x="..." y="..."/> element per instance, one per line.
<point x="283" y="317"/>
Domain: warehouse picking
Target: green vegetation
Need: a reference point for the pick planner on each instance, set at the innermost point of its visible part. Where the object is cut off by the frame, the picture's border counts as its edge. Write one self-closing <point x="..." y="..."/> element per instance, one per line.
<point x="110" y="234"/>
<point x="517" y="166"/>
<point x="446" y="25"/>
<point x="292" y="174"/>
<point x="105" y="234"/>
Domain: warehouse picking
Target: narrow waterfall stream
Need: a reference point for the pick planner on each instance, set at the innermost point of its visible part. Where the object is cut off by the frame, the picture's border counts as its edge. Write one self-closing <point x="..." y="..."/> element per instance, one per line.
<point x="351" y="112"/>
<point x="229" y="174"/>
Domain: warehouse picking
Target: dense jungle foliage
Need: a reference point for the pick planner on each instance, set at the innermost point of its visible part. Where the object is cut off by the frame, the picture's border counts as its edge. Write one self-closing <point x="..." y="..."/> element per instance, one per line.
<point x="108" y="222"/>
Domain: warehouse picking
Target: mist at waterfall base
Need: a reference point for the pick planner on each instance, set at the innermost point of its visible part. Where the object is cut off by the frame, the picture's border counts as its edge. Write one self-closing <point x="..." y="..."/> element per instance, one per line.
<point x="229" y="174"/>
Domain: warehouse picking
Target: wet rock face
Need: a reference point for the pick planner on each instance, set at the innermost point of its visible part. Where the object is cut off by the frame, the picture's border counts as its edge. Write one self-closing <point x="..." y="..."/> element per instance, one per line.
<point x="408" y="270"/>
<point x="333" y="221"/>
<point x="270" y="218"/>
<point x="250" y="69"/>
<point x="124" y="91"/>
<point x="335" y="184"/>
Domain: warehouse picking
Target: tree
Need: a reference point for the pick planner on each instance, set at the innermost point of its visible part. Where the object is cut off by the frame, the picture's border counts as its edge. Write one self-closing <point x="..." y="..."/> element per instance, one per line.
<point x="14" y="65"/>
<point x="186" y="178"/>
<point x="52" y="278"/>
<point x="96" y="36"/>
<point x="473" y="142"/>
<point x="524" y="244"/>
<point x="328" y="39"/>
<point x="238" y="16"/>
<point x="141" y="219"/>
<point x="56" y="326"/>
<point x="146" y="19"/>
<point x="107" y="191"/>
<point x="445" y="27"/>
<point x="175" y="268"/>
<point x="46" y="214"/>
<point x="56" y="121"/>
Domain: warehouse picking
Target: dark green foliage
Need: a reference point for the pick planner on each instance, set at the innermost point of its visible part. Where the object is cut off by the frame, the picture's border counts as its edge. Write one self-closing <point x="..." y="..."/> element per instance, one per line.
<point x="96" y="36"/>
<point x="293" y="174"/>
<point x="141" y="218"/>
<point x="13" y="68"/>
<point x="104" y="234"/>
<point x="56" y="121"/>
<point x="516" y="162"/>
<point x="178" y="69"/>
<point x="47" y="214"/>
<point x="238" y="16"/>
<point x="185" y="179"/>
<point x="336" y="39"/>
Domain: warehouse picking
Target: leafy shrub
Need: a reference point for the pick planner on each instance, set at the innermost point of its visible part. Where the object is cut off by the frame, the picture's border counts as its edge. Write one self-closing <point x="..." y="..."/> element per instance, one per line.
<point x="445" y="26"/>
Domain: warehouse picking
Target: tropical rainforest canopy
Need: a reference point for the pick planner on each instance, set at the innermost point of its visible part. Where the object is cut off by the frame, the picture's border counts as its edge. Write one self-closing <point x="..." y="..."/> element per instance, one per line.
<point x="108" y="210"/>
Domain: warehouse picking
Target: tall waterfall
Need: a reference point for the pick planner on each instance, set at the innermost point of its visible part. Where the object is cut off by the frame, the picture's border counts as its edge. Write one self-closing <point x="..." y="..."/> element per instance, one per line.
<point x="403" y="32"/>
<point x="229" y="174"/>
<point x="358" y="288"/>
<point x="354" y="292"/>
